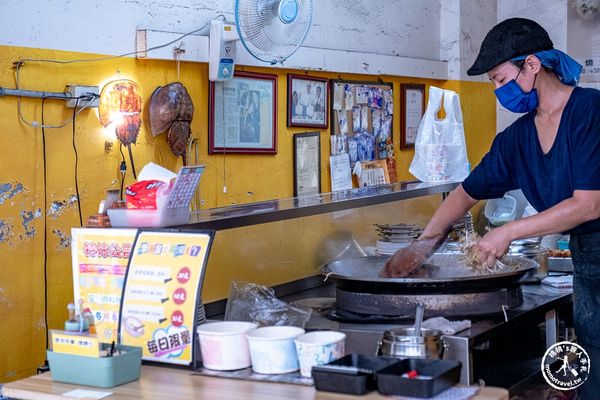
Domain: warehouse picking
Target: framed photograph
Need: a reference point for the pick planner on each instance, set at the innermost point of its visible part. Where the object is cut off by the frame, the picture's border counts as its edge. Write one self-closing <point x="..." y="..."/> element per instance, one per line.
<point x="307" y="101"/>
<point x="307" y="163"/>
<point x="242" y="115"/>
<point x="412" y="107"/>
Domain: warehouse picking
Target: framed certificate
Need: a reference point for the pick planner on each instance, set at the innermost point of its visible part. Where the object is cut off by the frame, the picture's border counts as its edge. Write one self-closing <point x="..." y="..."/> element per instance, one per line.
<point x="242" y="114"/>
<point x="412" y="107"/>
<point x="307" y="163"/>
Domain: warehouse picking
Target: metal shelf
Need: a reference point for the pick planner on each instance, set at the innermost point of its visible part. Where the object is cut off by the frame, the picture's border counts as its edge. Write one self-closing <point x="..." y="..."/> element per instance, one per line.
<point x="298" y="207"/>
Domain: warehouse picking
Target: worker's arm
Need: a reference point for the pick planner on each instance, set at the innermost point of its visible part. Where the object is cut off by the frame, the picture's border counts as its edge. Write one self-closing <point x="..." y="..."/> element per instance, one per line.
<point x="584" y="206"/>
<point x="452" y="208"/>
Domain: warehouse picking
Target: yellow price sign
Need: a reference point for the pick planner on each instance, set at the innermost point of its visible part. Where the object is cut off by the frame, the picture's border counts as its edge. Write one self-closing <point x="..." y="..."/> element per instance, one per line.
<point x="75" y="343"/>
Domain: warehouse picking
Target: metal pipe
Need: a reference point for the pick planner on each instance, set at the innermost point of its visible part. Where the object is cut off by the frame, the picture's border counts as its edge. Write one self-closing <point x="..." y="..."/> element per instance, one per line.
<point x="34" y="94"/>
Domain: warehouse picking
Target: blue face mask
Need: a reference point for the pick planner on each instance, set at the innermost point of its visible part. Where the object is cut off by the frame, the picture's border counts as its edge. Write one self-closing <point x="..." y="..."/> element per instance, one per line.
<point x="514" y="99"/>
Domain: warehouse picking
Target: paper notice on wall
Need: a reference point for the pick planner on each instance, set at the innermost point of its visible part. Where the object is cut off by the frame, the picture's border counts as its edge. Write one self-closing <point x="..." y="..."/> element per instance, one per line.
<point x="161" y="294"/>
<point x="341" y="177"/>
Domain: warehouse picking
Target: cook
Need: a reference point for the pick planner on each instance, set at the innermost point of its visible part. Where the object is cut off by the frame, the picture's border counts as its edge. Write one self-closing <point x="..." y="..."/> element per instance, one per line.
<point x="552" y="153"/>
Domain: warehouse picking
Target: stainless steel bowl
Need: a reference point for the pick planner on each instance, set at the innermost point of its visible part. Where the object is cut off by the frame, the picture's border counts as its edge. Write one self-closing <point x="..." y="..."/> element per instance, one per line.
<point x="402" y="343"/>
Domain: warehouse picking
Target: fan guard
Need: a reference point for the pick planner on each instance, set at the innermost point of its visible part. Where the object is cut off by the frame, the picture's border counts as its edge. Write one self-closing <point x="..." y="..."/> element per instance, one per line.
<point x="272" y="30"/>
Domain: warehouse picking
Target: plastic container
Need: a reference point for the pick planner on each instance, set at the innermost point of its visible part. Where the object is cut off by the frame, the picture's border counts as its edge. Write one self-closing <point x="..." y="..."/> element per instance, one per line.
<point x="560" y="264"/>
<point x="102" y="372"/>
<point x="433" y="377"/>
<point x="224" y="345"/>
<point x="318" y="348"/>
<point x="352" y="374"/>
<point x="272" y="349"/>
<point x="123" y="217"/>
<point x="563" y="243"/>
<point x="502" y="210"/>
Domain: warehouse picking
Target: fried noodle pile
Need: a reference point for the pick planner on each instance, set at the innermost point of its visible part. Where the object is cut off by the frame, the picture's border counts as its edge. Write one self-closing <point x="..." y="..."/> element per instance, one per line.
<point x="471" y="259"/>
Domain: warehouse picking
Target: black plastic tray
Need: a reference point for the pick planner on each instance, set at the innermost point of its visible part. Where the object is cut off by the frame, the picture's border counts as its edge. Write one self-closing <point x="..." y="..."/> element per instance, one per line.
<point x="352" y="374"/>
<point x="435" y="376"/>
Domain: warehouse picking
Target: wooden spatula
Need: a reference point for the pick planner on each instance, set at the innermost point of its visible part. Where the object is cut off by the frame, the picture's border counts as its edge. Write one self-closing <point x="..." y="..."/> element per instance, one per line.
<point x="407" y="260"/>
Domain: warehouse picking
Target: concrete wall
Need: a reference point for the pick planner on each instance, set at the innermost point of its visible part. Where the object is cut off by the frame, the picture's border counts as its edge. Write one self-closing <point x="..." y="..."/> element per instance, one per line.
<point x="395" y="28"/>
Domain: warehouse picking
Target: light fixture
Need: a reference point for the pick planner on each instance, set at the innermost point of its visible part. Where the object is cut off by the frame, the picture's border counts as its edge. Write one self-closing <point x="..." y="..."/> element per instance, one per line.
<point x="121" y="107"/>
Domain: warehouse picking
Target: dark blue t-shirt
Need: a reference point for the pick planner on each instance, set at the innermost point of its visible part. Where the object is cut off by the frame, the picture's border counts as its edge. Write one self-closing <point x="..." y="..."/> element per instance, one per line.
<point x="516" y="160"/>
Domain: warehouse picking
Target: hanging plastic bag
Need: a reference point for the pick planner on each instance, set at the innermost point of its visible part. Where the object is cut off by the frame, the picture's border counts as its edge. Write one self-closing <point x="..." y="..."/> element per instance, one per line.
<point x="440" y="150"/>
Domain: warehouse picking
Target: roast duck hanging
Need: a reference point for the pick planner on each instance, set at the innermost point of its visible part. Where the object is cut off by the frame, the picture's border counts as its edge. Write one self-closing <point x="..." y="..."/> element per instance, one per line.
<point x="171" y="108"/>
<point x="121" y="106"/>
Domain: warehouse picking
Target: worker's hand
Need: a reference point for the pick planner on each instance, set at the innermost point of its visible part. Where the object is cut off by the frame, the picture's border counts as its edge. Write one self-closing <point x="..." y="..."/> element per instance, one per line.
<point x="492" y="246"/>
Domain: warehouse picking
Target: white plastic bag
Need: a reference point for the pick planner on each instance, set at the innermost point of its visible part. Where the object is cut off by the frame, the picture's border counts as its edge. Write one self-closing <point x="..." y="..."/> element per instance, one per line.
<point x="440" y="150"/>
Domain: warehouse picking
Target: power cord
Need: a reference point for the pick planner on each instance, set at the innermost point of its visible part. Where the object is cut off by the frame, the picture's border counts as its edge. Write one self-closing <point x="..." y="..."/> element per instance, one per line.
<point x="76" y="165"/>
<point x="122" y="170"/>
<point x="19" y="63"/>
<point x="45" y="368"/>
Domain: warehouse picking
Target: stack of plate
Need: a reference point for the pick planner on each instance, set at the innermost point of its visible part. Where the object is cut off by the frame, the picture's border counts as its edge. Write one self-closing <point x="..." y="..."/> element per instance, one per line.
<point x="394" y="237"/>
<point x="460" y="229"/>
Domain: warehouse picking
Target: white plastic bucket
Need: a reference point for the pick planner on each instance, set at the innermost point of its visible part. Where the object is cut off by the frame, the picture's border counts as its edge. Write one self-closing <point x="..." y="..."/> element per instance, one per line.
<point x="224" y="345"/>
<point x="272" y="349"/>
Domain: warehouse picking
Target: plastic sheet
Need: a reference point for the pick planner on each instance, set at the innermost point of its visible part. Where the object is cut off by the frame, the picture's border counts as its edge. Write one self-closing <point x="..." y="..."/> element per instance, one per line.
<point x="255" y="303"/>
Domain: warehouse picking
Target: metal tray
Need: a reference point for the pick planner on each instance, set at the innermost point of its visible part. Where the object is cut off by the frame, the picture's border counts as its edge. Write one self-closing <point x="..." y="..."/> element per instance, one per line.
<point x="560" y="264"/>
<point x="441" y="272"/>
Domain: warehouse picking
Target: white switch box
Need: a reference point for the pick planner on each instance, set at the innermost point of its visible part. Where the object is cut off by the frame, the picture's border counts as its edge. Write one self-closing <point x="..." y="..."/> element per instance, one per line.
<point x="76" y="91"/>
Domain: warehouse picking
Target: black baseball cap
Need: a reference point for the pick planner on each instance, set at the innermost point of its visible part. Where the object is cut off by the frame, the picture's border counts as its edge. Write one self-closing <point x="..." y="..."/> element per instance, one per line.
<point x="509" y="39"/>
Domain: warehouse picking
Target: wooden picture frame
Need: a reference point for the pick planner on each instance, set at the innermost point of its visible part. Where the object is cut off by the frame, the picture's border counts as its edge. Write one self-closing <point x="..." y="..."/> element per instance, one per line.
<point x="242" y="114"/>
<point x="307" y="164"/>
<point x="412" y="108"/>
<point x="307" y="107"/>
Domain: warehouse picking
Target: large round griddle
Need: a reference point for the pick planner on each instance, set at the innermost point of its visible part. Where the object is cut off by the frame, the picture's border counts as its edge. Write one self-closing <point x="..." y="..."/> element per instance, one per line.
<point x="442" y="273"/>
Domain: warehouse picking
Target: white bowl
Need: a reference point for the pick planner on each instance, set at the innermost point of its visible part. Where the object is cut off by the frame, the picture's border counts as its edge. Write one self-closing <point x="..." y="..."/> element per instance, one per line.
<point x="272" y="349"/>
<point x="318" y="348"/>
<point x="224" y="346"/>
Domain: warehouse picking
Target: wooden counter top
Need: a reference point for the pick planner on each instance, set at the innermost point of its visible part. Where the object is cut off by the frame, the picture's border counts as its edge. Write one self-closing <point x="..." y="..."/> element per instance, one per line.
<point x="176" y="384"/>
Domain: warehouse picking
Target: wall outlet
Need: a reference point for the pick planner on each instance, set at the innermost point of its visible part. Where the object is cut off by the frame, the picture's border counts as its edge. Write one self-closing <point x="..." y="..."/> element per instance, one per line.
<point x="79" y="91"/>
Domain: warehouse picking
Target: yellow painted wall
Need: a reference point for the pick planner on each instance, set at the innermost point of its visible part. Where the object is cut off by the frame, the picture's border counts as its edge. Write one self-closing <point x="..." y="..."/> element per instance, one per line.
<point x="249" y="178"/>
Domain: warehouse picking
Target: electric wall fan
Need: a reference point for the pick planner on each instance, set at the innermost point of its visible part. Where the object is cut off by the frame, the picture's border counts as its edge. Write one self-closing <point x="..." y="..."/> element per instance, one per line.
<point x="271" y="31"/>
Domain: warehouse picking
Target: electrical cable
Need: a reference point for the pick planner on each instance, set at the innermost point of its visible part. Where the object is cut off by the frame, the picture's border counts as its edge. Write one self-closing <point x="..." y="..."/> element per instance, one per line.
<point x="17" y="66"/>
<point x="45" y="208"/>
<point x="90" y="99"/>
<point x="45" y="227"/>
<point x="21" y="61"/>
<point x="76" y="165"/>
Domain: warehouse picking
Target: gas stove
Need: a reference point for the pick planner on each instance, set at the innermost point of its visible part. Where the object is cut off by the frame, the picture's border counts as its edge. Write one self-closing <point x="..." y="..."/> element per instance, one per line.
<point x="500" y="334"/>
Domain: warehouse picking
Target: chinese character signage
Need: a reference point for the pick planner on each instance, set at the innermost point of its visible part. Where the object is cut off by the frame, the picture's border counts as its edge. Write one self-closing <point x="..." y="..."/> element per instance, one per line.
<point x="162" y="292"/>
<point x="591" y="69"/>
<point x="80" y="344"/>
<point x="100" y="259"/>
